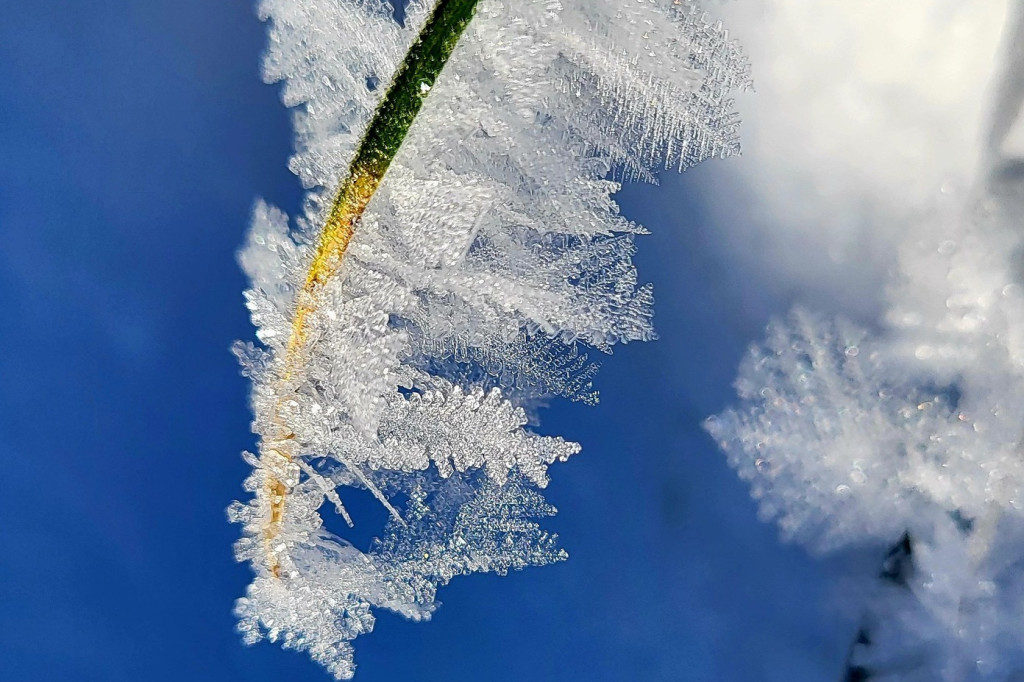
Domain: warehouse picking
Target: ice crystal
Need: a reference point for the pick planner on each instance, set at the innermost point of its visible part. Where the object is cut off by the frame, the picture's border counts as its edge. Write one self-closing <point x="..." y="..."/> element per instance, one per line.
<point x="488" y="258"/>
<point x="909" y="435"/>
<point x="855" y="438"/>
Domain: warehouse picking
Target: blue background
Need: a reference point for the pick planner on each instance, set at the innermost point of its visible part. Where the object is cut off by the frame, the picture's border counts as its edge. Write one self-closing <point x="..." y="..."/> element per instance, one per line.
<point x="135" y="137"/>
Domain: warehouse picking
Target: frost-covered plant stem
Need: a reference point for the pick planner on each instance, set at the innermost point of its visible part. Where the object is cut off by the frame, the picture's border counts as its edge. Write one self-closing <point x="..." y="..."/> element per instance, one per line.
<point x="492" y="229"/>
<point x="388" y="128"/>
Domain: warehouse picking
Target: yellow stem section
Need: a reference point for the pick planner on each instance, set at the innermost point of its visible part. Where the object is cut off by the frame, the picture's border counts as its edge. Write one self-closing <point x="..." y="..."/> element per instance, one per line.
<point x="349" y="205"/>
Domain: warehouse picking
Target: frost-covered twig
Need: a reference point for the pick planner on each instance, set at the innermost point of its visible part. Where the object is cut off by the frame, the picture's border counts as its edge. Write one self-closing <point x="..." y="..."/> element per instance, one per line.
<point x="481" y="249"/>
<point x="377" y="148"/>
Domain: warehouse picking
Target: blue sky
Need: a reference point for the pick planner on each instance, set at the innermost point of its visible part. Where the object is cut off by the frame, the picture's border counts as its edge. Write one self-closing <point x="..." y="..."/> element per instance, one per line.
<point x="136" y="136"/>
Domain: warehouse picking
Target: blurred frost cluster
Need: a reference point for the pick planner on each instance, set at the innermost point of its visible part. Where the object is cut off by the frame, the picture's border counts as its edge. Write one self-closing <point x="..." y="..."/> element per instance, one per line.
<point x="909" y="434"/>
<point x="491" y="255"/>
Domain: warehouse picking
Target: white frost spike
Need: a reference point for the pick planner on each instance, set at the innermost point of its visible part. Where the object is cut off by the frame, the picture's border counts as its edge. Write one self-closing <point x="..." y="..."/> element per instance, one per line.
<point x="459" y="431"/>
<point x="490" y="255"/>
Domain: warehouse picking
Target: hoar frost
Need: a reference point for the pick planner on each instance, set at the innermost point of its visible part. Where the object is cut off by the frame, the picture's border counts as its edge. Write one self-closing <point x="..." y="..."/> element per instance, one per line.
<point x="489" y="257"/>
<point x="911" y="435"/>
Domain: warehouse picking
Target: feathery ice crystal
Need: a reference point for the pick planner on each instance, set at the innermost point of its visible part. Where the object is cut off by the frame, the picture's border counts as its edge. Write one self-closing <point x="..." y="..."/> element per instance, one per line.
<point x="410" y="322"/>
<point x="911" y="436"/>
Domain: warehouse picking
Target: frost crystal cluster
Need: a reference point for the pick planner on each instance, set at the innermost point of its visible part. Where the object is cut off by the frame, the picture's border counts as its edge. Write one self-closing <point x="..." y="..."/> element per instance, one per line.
<point x="910" y="436"/>
<point x="489" y="256"/>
